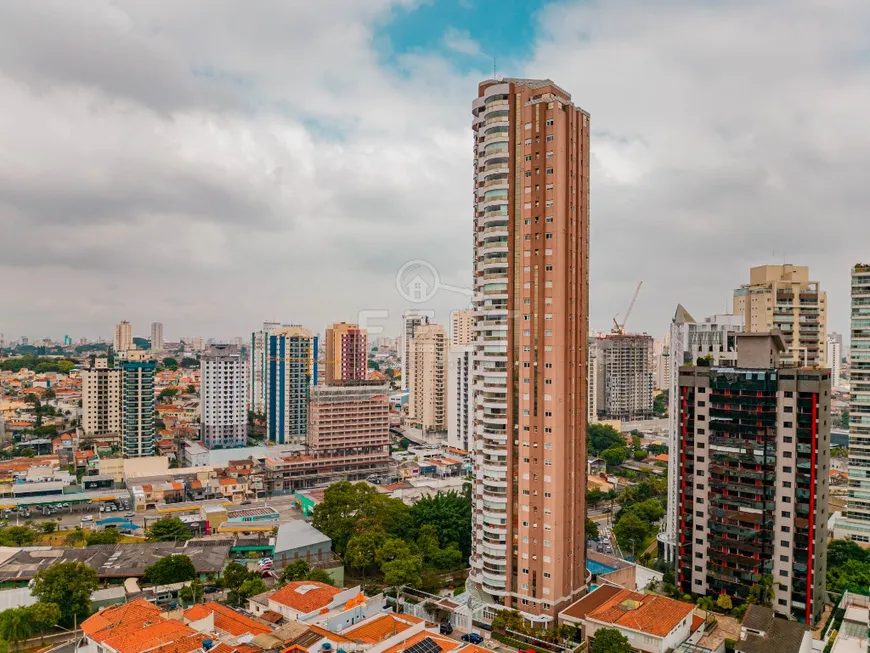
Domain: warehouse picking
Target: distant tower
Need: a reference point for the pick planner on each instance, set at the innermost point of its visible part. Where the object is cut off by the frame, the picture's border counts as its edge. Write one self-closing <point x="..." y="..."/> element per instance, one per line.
<point x="156" y="336"/>
<point x="123" y="337"/>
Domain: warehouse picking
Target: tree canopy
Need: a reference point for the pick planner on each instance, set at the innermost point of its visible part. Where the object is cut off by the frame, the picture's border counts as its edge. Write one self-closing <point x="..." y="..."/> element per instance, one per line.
<point x="69" y="586"/>
<point x="169" y="529"/>
<point x="600" y="437"/>
<point x="609" y="640"/>
<point x="171" y="569"/>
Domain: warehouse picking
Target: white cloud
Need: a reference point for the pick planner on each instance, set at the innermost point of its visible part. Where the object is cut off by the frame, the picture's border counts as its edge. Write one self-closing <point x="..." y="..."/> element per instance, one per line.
<point x="460" y="41"/>
<point x="211" y="167"/>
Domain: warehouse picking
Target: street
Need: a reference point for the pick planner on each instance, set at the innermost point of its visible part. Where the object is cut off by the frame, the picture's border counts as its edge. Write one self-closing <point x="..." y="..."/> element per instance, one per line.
<point x="68" y="518"/>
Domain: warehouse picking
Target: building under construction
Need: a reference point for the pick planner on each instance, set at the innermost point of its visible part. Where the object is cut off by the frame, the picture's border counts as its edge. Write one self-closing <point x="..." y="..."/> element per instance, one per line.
<point x="624" y="376"/>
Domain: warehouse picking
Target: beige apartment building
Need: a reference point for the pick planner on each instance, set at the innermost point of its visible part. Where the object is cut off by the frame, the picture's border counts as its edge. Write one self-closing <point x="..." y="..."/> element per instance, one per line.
<point x="101" y="402"/>
<point x="427" y="404"/>
<point x="346" y="352"/>
<point x="783" y="297"/>
<point x="123" y="336"/>
<point x="461" y="323"/>
<point x="350" y="417"/>
<point x="531" y="290"/>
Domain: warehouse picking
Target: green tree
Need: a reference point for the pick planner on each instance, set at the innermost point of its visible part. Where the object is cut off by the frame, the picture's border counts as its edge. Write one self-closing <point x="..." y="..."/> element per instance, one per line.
<point x="841" y="551"/>
<point x="192" y="593"/>
<point x="234" y="575"/>
<point x="404" y="570"/>
<point x="167" y="395"/>
<point x="591" y="530"/>
<point x="69" y="586"/>
<point x="297" y="570"/>
<point x="706" y="604"/>
<point x="106" y="536"/>
<point x="843" y="420"/>
<point x="251" y="587"/>
<point x="48" y="527"/>
<point x="170" y="363"/>
<point x="171" y="569"/>
<point x="18" y="536"/>
<point x="169" y="529"/>
<point x="609" y="640"/>
<point x="448" y="558"/>
<point x="852" y="573"/>
<point x="660" y="403"/>
<point x="630" y="531"/>
<point x="320" y="576"/>
<point x="27" y="452"/>
<point x="594" y="496"/>
<point x="75" y="537"/>
<point x="391" y="549"/>
<point x="362" y="549"/>
<point x="15" y="625"/>
<point x="724" y="602"/>
<point x="600" y="437"/>
<point x="639" y="454"/>
<point x="189" y="362"/>
<point x="43" y="617"/>
<point x="650" y="510"/>
<point x="450" y="514"/>
<point x="614" y="456"/>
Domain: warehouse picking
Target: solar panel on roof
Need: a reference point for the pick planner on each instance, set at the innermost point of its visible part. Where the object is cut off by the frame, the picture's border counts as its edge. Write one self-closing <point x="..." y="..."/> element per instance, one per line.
<point x="425" y="646"/>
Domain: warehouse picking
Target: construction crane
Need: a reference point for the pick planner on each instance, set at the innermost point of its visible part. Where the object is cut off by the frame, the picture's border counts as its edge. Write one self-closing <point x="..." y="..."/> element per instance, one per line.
<point x="619" y="329"/>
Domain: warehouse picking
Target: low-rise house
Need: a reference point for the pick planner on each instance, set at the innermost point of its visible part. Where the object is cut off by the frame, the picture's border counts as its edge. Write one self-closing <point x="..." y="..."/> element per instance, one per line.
<point x="215" y="617"/>
<point x="651" y="623"/>
<point x="762" y="632"/>
<point x="319" y="604"/>
<point x="136" y="627"/>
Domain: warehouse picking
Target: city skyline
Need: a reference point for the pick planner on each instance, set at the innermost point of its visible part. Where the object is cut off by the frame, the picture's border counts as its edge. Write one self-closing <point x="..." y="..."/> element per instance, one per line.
<point x="692" y="141"/>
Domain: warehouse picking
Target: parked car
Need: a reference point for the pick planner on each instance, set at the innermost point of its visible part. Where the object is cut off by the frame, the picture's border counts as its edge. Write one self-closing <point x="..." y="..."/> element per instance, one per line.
<point x="245" y="503"/>
<point x="129" y="514"/>
<point x="445" y="628"/>
<point x="211" y="589"/>
<point x="88" y="518"/>
<point x="472" y="638"/>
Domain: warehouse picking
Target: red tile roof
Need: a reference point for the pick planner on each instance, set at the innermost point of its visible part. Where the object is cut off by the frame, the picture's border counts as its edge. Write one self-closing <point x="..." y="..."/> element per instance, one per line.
<point x="226" y="619"/>
<point x="138" y="626"/>
<point x="647" y="613"/>
<point x="445" y="643"/>
<point x="305" y="596"/>
<point x="381" y="628"/>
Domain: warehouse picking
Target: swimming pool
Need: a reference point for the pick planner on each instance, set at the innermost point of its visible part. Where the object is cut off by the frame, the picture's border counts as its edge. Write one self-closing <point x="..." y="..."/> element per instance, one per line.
<point x="596" y="568"/>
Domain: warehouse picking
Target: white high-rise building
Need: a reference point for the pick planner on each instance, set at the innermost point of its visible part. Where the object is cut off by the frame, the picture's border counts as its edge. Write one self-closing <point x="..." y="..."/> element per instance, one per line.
<point x="410" y="321"/>
<point x="661" y="363"/>
<point x="257" y="368"/>
<point x="156" y="336"/>
<point x="223" y="414"/>
<point x="123" y="336"/>
<point x="460" y="398"/>
<point x="688" y="341"/>
<point x="101" y="401"/>
<point x="834" y="356"/>
<point x="428" y="369"/>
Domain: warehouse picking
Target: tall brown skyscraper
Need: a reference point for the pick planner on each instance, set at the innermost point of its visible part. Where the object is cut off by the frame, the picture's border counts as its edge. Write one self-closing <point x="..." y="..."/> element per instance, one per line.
<point x="346" y="352"/>
<point x="531" y="323"/>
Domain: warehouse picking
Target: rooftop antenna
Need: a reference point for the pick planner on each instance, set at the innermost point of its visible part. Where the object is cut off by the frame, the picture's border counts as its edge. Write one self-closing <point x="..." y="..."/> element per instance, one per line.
<point x="494" y="77"/>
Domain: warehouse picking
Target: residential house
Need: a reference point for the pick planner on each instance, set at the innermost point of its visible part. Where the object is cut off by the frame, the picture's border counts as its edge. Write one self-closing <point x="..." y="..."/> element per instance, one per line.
<point x="761" y="632"/>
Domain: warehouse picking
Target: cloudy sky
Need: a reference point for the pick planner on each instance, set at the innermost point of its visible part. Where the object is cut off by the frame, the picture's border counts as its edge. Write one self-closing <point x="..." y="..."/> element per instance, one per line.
<point x="212" y="164"/>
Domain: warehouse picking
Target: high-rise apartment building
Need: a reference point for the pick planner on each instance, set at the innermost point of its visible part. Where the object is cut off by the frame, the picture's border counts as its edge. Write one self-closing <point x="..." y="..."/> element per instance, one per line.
<point x="753" y="470"/>
<point x="625" y="378"/>
<point x="223" y="410"/>
<point x="834" y="356"/>
<point x="531" y="288"/>
<point x="156" y="336"/>
<point x="290" y="355"/>
<point x="410" y="321"/>
<point x="460" y="397"/>
<point x="461" y="325"/>
<point x="101" y="402"/>
<point x="427" y="403"/>
<point x="858" y="506"/>
<point x="591" y="380"/>
<point x="713" y="338"/>
<point x="661" y="360"/>
<point x="346" y="353"/>
<point x="123" y="336"/>
<point x="351" y="418"/>
<point x="783" y="297"/>
<point x="137" y="397"/>
<point x="257" y="368"/>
